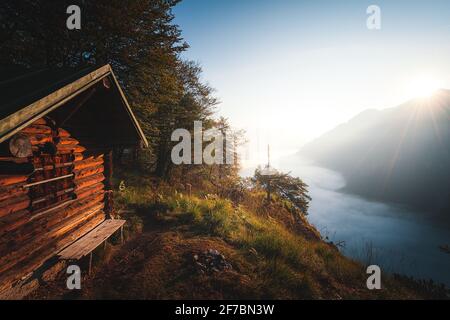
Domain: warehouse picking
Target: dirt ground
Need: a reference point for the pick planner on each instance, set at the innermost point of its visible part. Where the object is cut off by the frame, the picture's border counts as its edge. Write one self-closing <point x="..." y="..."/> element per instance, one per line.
<point x="156" y="264"/>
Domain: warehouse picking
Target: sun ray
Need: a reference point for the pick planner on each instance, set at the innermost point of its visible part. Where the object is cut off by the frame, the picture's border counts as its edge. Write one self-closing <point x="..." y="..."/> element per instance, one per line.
<point x="423" y="86"/>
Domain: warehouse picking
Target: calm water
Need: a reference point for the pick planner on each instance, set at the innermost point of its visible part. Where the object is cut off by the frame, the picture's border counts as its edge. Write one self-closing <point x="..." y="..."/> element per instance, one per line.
<point x="374" y="232"/>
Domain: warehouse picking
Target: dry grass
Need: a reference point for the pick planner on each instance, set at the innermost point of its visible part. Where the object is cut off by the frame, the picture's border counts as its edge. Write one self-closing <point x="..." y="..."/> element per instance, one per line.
<point x="270" y="258"/>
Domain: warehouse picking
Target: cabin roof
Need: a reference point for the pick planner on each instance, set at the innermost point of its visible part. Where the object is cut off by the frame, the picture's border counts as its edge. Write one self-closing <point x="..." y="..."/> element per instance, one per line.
<point x="27" y="95"/>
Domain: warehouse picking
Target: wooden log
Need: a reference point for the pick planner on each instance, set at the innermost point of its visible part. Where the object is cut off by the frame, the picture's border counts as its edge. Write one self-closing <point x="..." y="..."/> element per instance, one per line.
<point x="37" y="139"/>
<point x="88" y="181"/>
<point x="85" y="192"/>
<point x="12" y="221"/>
<point x="76" y="208"/>
<point x="11" y="205"/>
<point x="55" y="166"/>
<point x="36" y="259"/>
<point x="42" y="213"/>
<point x="9" y="244"/>
<point x="78" y="156"/>
<point x="34" y="229"/>
<point x="37" y="129"/>
<point x="63" y="133"/>
<point x="20" y="243"/>
<point x="7" y="180"/>
<point x="40" y="182"/>
<point x="63" y="210"/>
<point x="51" y="196"/>
<point x="20" y="146"/>
<point x="68" y="141"/>
<point x="12" y="191"/>
<point x="78" y="218"/>
<point x="88" y="171"/>
<point x="14" y="159"/>
<point x="87" y="163"/>
<point x="26" y="263"/>
<point x="70" y="148"/>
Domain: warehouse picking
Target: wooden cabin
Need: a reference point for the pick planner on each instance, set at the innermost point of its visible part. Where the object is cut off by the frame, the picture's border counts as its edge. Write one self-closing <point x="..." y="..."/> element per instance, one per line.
<point x="58" y="133"/>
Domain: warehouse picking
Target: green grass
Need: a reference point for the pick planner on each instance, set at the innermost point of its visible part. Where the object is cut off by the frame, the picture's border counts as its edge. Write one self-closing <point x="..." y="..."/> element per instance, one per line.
<point x="285" y="260"/>
<point x="285" y="263"/>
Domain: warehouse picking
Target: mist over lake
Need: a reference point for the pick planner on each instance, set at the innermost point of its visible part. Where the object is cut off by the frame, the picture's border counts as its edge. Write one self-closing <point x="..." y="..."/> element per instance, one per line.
<point x="390" y="236"/>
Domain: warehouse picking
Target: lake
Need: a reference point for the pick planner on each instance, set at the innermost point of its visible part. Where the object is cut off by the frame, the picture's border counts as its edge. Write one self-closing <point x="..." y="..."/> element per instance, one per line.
<point x="392" y="237"/>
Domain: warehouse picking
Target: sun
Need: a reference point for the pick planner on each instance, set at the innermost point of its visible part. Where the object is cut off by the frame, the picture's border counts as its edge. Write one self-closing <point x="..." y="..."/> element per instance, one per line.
<point x="423" y="86"/>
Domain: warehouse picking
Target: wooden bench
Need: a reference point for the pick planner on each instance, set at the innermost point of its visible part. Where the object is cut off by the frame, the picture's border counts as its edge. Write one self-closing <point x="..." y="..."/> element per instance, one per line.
<point x="90" y="241"/>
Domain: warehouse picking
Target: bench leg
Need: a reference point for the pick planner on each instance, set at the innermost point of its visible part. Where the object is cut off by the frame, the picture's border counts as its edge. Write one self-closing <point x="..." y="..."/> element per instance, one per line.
<point x="121" y="234"/>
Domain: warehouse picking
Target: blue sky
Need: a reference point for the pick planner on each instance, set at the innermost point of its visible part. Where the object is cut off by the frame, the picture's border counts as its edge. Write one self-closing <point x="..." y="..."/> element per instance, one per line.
<point x="288" y="71"/>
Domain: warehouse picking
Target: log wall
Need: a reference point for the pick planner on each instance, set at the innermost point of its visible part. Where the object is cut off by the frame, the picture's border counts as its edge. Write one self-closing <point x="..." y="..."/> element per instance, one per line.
<point x="38" y="219"/>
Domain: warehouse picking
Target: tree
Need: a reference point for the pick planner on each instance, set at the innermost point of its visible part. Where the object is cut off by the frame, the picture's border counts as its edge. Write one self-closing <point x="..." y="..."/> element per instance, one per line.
<point x="139" y="40"/>
<point x="286" y="187"/>
<point x="195" y="103"/>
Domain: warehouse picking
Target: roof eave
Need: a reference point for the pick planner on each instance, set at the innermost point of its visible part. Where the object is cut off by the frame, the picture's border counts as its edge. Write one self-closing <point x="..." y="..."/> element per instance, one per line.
<point x="130" y="112"/>
<point x="38" y="109"/>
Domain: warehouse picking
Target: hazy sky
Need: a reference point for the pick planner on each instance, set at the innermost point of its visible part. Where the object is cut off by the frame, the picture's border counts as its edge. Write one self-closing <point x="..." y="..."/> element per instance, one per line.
<point x="288" y="71"/>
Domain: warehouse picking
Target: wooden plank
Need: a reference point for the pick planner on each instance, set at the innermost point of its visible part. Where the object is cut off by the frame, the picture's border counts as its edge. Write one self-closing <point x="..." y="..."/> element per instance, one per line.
<point x="90" y="241"/>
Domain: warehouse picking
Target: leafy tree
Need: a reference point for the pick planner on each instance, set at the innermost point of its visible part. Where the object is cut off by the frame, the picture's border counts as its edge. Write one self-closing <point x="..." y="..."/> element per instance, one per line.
<point x="140" y="41"/>
<point x="286" y="187"/>
<point x="196" y="103"/>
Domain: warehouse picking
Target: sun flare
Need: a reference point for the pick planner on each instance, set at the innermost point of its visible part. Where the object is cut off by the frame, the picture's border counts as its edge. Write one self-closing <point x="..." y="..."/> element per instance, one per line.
<point x="423" y="87"/>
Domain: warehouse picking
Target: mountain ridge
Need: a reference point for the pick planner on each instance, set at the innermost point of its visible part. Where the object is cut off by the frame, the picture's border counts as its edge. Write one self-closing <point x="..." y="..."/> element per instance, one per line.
<point x="399" y="154"/>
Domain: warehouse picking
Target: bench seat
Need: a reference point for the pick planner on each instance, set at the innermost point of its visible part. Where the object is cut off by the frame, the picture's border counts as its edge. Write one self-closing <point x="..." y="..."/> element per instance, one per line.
<point x="86" y="244"/>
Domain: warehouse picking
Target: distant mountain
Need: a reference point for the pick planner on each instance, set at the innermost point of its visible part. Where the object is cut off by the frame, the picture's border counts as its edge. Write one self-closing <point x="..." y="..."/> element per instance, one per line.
<point x="401" y="154"/>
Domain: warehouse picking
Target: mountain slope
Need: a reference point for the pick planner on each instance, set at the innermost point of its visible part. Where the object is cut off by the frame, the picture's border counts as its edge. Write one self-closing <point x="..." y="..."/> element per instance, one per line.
<point x="192" y="247"/>
<point x="401" y="154"/>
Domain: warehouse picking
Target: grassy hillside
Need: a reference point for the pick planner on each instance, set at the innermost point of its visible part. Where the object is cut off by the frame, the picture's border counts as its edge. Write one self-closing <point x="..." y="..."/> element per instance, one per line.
<point x="264" y="252"/>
